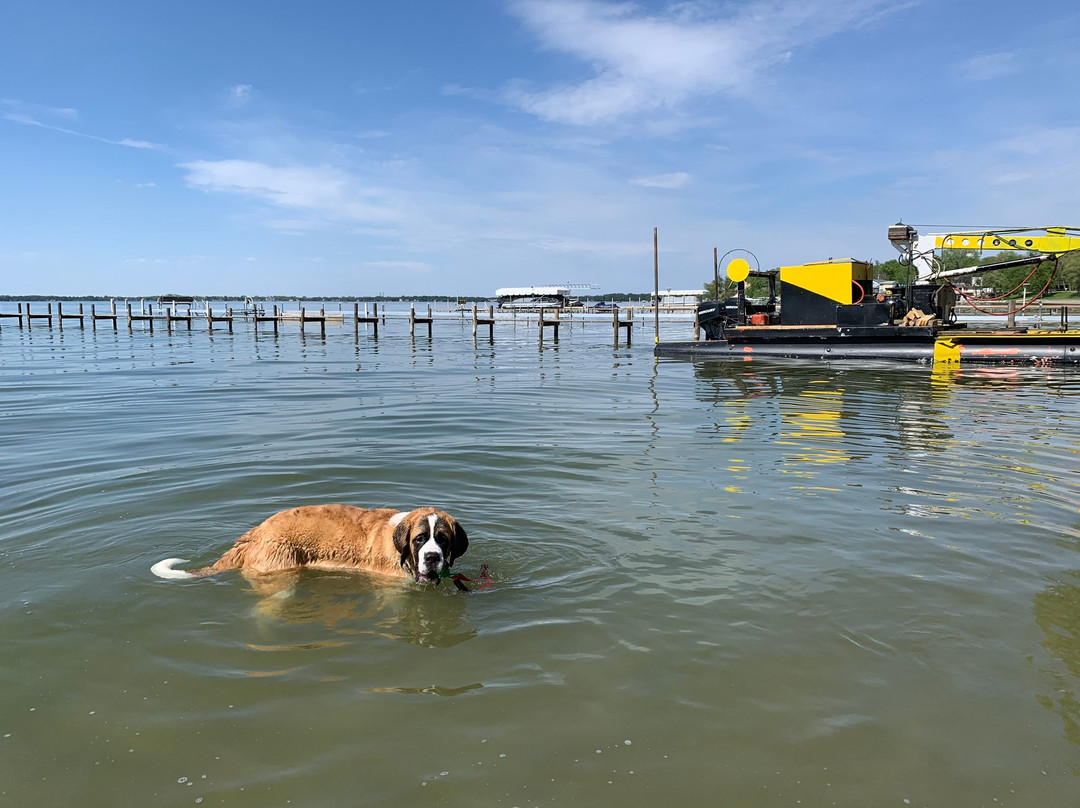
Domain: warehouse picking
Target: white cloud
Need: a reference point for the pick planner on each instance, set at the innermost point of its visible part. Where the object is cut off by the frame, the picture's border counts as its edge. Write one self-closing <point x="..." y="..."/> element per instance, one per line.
<point x="580" y="245"/>
<point x="31" y="115"/>
<point x="644" y="62"/>
<point x="240" y="93"/>
<point x="416" y="266"/>
<point x="671" y="181"/>
<point x="994" y="181"/>
<point x="989" y="66"/>
<point x="323" y="191"/>
<point x="14" y="110"/>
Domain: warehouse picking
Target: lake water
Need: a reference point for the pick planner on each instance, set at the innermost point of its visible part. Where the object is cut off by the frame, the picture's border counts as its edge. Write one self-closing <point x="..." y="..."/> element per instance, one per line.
<point x="740" y="585"/>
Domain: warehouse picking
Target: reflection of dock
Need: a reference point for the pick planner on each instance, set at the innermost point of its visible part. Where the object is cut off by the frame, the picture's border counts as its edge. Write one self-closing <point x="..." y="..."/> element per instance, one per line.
<point x="148" y="317"/>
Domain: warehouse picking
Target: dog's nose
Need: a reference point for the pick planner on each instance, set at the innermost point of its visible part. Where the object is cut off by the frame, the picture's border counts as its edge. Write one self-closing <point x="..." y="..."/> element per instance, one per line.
<point x="432" y="560"/>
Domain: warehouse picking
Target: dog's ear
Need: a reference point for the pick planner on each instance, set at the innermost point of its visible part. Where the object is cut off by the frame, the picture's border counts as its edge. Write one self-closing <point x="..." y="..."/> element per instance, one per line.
<point x="458" y="545"/>
<point x="401" y="539"/>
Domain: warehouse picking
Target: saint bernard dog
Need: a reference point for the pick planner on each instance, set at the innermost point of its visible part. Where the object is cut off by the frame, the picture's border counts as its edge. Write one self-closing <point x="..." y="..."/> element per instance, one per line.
<point x="421" y="544"/>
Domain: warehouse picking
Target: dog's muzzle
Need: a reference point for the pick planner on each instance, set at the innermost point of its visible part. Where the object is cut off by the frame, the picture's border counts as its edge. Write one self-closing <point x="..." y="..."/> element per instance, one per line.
<point x="430" y="566"/>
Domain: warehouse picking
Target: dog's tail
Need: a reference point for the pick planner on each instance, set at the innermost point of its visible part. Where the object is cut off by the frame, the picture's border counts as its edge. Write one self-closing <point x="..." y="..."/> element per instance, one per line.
<point x="164" y="569"/>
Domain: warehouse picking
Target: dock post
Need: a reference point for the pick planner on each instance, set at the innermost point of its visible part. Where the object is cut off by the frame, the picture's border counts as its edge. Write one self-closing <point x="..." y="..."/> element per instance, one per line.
<point x="627" y="324"/>
<point x="546" y="322"/>
<point x="430" y="321"/>
<point x="412" y="319"/>
<point x="129" y="316"/>
<point x="60" y="316"/>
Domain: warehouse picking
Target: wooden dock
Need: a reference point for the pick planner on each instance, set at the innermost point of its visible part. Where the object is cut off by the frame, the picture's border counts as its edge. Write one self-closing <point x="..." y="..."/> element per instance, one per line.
<point x="146" y="317"/>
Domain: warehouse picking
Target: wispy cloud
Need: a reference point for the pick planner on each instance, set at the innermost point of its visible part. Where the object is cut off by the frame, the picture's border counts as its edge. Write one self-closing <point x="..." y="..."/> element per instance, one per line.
<point x="39" y="116"/>
<point x="417" y="266"/>
<point x="642" y="62"/>
<point x="324" y="192"/>
<point x="989" y="66"/>
<point x="671" y="181"/>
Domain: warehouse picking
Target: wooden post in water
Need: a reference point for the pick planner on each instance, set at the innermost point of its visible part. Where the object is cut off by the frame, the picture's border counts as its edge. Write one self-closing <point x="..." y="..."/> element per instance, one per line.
<point x="656" y="283"/>
<point x="262" y="318"/>
<point x="413" y="320"/>
<point x="8" y="314"/>
<point x="61" y="316"/>
<point x="47" y="316"/>
<point x="211" y="319"/>
<point x="626" y="324"/>
<point x="716" y="274"/>
<point x="375" y="319"/>
<point x="546" y="322"/>
<point x="489" y="321"/>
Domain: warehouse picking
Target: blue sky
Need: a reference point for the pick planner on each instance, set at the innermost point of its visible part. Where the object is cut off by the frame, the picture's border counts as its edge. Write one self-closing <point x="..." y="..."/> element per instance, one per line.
<point x="363" y="148"/>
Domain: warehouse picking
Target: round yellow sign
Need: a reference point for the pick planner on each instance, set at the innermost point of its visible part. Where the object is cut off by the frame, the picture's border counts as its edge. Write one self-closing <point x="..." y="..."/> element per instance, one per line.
<point x="738" y="269"/>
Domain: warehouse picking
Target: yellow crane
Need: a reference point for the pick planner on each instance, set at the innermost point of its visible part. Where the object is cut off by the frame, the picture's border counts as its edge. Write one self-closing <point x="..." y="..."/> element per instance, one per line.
<point x="919" y="251"/>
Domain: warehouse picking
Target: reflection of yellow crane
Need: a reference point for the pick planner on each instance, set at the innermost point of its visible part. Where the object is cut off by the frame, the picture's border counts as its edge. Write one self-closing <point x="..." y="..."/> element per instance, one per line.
<point x="918" y="251"/>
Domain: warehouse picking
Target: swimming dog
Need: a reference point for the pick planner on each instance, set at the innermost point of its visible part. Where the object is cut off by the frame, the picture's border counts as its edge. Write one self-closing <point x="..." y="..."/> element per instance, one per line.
<point x="421" y="544"/>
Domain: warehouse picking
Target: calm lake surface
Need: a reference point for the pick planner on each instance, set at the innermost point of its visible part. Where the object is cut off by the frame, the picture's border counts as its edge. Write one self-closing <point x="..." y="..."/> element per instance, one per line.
<point x="739" y="585"/>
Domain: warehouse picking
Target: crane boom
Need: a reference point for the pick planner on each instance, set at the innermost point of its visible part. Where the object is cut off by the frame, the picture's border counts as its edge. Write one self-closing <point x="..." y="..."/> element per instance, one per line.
<point x="919" y="250"/>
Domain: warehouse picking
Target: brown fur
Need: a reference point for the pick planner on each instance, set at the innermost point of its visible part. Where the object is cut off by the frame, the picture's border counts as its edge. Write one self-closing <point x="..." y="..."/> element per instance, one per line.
<point x="331" y="537"/>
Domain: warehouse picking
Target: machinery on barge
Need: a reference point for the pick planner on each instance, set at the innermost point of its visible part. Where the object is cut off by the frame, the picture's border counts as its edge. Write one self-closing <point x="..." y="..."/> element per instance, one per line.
<point x="835" y="310"/>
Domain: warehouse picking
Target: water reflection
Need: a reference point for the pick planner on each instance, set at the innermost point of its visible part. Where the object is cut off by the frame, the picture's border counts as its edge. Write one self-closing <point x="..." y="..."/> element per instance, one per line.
<point x="817" y="415"/>
<point x="361" y="604"/>
<point x="1057" y="612"/>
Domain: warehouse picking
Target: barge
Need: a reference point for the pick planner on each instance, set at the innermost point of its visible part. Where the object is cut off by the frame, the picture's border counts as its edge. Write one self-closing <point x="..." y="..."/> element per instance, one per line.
<point x="833" y="310"/>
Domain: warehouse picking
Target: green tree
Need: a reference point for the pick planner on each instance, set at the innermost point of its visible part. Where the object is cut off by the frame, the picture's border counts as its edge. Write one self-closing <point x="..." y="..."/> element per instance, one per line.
<point x="1016" y="282"/>
<point x="1069" y="271"/>
<point x="727" y="289"/>
<point x="893" y="270"/>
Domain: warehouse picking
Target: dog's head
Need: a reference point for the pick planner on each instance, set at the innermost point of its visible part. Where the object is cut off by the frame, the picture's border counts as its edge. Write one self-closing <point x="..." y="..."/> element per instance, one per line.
<point x="429" y="541"/>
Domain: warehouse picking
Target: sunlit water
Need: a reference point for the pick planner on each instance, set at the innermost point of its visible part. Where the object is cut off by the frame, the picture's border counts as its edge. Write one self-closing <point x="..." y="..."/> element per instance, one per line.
<point x="744" y="585"/>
